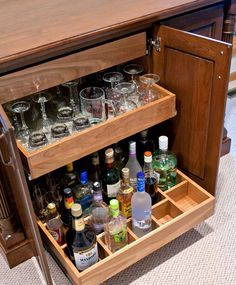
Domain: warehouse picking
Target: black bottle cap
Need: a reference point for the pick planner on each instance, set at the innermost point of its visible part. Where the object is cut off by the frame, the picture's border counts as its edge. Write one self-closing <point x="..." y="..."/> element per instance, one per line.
<point x="97" y="186"/>
<point x="67" y="192"/>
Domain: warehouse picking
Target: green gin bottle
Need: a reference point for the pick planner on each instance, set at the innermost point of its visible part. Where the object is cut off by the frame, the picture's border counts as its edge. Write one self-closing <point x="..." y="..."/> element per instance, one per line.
<point x="165" y="163"/>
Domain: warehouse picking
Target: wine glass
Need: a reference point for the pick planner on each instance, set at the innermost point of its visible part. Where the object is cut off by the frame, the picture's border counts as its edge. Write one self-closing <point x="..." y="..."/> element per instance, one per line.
<point x="125" y="89"/>
<point x="20" y="107"/>
<point x="41" y="98"/>
<point x="149" y="94"/>
<point x="74" y="95"/>
<point x="133" y="70"/>
<point x="113" y="78"/>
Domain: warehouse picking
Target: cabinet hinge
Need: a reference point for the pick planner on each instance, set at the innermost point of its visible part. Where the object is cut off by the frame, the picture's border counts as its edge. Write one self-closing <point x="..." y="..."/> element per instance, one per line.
<point x="155" y="43"/>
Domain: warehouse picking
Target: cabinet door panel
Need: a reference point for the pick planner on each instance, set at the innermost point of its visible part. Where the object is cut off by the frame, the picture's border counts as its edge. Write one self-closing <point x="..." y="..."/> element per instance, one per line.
<point x="196" y="69"/>
<point x="14" y="174"/>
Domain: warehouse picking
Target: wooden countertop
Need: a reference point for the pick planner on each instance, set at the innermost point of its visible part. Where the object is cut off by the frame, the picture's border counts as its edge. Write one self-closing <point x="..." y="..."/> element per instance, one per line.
<point x="32" y="27"/>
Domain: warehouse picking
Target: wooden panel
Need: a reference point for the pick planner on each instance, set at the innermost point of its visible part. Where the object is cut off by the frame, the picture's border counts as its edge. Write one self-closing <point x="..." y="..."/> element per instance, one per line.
<point x="207" y="22"/>
<point x="38" y="29"/>
<point x="196" y="69"/>
<point x="50" y="157"/>
<point x="33" y="79"/>
<point x="137" y="248"/>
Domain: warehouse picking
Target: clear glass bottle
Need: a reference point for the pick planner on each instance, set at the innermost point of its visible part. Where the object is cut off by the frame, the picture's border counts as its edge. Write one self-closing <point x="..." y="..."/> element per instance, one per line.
<point x="111" y="177"/>
<point x="141" y="208"/>
<point x="133" y="164"/>
<point x="125" y="194"/>
<point x="116" y="229"/>
<point x="151" y="177"/>
<point x="98" y="210"/>
<point x="68" y="203"/>
<point x="165" y="163"/>
<point x="54" y="223"/>
<point x="83" y="192"/>
<point x="81" y="241"/>
<point x="70" y="178"/>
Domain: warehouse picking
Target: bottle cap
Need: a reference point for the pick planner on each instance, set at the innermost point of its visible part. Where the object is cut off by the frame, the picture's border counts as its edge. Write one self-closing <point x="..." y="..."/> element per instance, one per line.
<point x="109" y="155"/>
<point x="114" y="204"/>
<point x="144" y="133"/>
<point x="163" y="142"/>
<point x="97" y="186"/>
<point x="83" y="177"/>
<point x="125" y="172"/>
<point x="147" y="156"/>
<point x="132" y="147"/>
<point x="69" y="167"/>
<point x="76" y="210"/>
<point x="52" y="208"/>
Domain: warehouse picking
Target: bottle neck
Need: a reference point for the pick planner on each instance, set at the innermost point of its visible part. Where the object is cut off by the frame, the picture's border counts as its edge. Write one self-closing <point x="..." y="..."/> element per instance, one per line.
<point x="114" y="212"/>
<point x="125" y="181"/>
<point x="78" y="223"/>
<point x="68" y="202"/>
<point x="109" y="165"/>
<point x="97" y="196"/>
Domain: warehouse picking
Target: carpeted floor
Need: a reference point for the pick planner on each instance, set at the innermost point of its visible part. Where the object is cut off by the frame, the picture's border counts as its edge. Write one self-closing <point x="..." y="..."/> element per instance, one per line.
<point x="203" y="256"/>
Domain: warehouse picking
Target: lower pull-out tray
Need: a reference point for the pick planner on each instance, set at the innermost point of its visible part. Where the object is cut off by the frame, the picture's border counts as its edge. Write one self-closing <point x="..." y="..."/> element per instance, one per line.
<point x="181" y="208"/>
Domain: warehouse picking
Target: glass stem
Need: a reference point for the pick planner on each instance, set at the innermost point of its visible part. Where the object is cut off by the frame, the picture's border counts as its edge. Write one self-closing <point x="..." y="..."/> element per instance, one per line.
<point x="23" y="123"/>
<point x="44" y="115"/>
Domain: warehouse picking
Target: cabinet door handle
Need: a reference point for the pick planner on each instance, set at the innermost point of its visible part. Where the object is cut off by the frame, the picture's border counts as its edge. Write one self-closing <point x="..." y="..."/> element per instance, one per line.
<point x="4" y="151"/>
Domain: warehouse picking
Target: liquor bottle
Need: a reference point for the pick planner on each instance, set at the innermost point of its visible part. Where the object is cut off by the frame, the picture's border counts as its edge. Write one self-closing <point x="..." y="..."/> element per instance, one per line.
<point x="98" y="210"/>
<point x="111" y="178"/>
<point x="165" y="163"/>
<point x="83" y="191"/>
<point x="144" y="144"/>
<point x="96" y="172"/>
<point x="116" y="228"/>
<point x="133" y="164"/>
<point x="125" y="194"/>
<point x="141" y="208"/>
<point x="68" y="203"/>
<point x="70" y="178"/>
<point x="81" y="241"/>
<point x="151" y="177"/>
<point x="119" y="159"/>
<point x="54" y="223"/>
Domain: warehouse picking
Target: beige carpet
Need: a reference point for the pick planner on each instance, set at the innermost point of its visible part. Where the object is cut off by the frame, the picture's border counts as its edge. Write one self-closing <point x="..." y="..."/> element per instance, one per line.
<point x="203" y="256"/>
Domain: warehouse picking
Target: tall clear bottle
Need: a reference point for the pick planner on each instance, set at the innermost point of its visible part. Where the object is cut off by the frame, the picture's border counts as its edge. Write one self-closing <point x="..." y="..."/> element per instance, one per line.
<point x="165" y="163"/>
<point x="81" y="241"/>
<point x="98" y="210"/>
<point x="125" y="194"/>
<point x="151" y="177"/>
<point x="141" y="208"/>
<point x="133" y="164"/>
<point x="111" y="177"/>
<point x="116" y="229"/>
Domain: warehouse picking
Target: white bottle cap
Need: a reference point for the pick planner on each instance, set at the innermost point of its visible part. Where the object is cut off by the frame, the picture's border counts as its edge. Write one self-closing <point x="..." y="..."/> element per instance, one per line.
<point x="132" y="147"/>
<point x="163" y="142"/>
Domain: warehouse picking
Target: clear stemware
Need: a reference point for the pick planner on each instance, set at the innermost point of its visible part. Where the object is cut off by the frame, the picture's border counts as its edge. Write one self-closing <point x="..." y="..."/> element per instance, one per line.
<point x="113" y="78"/>
<point x="148" y="80"/>
<point x="74" y="96"/>
<point x="41" y="98"/>
<point x="20" y="107"/>
<point x="133" y="70"/>
<point x="125" y="90"/>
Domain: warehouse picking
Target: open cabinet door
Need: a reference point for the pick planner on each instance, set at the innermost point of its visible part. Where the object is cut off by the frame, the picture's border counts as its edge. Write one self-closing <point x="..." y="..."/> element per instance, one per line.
<point x="196" y="69"/>
<point x="12" y="172"/>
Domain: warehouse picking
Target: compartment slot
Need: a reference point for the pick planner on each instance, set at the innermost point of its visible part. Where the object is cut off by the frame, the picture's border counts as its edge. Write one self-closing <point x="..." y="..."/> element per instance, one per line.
<point x="164" y="212"/>
<point x="187" y="196"/>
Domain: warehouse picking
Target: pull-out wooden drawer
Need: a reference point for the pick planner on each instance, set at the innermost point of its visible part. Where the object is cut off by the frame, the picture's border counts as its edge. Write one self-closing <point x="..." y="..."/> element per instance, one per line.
<point x="181" y="208"/>
<point x="80" y="144"/>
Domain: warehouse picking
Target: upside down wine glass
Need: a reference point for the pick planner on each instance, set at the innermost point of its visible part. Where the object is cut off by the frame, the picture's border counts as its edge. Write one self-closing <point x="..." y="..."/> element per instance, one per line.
<point x="149" y="94"/>
<point x="125" y="89"/>
<point x="74" y="96"/>
<point x="133" y="70"/>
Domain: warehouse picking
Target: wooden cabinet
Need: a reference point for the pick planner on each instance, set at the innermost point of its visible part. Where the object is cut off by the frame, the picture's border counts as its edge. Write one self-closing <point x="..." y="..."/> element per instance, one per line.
<point x="195" y="70"/>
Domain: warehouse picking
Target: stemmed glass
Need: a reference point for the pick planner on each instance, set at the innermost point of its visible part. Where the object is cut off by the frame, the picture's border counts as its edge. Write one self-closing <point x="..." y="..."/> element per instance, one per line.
<point x="149" y="94"/>
<point x="133" y="70"/>
<point x="113" y="78"/>
<point x="41" y="98"/>
<point x="125" y="89"/>
<point x="74" y="95"/>
<point x="21" y="107"/>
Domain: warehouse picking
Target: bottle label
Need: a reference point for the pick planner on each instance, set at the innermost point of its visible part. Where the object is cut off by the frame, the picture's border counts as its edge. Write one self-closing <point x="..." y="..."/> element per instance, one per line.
<point x="129" y="190"/>
<point x="54" y="227"/>
<point x="144" y="225"/>
<point x="126" y="208"/>
<point x="120" y="236"/>
<point x="78" y="224"/>
<point x="69" y="202"/>
<point x="86" y="201"/>
<point x="112" y="189"/>
<point x="84" y="259"/>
